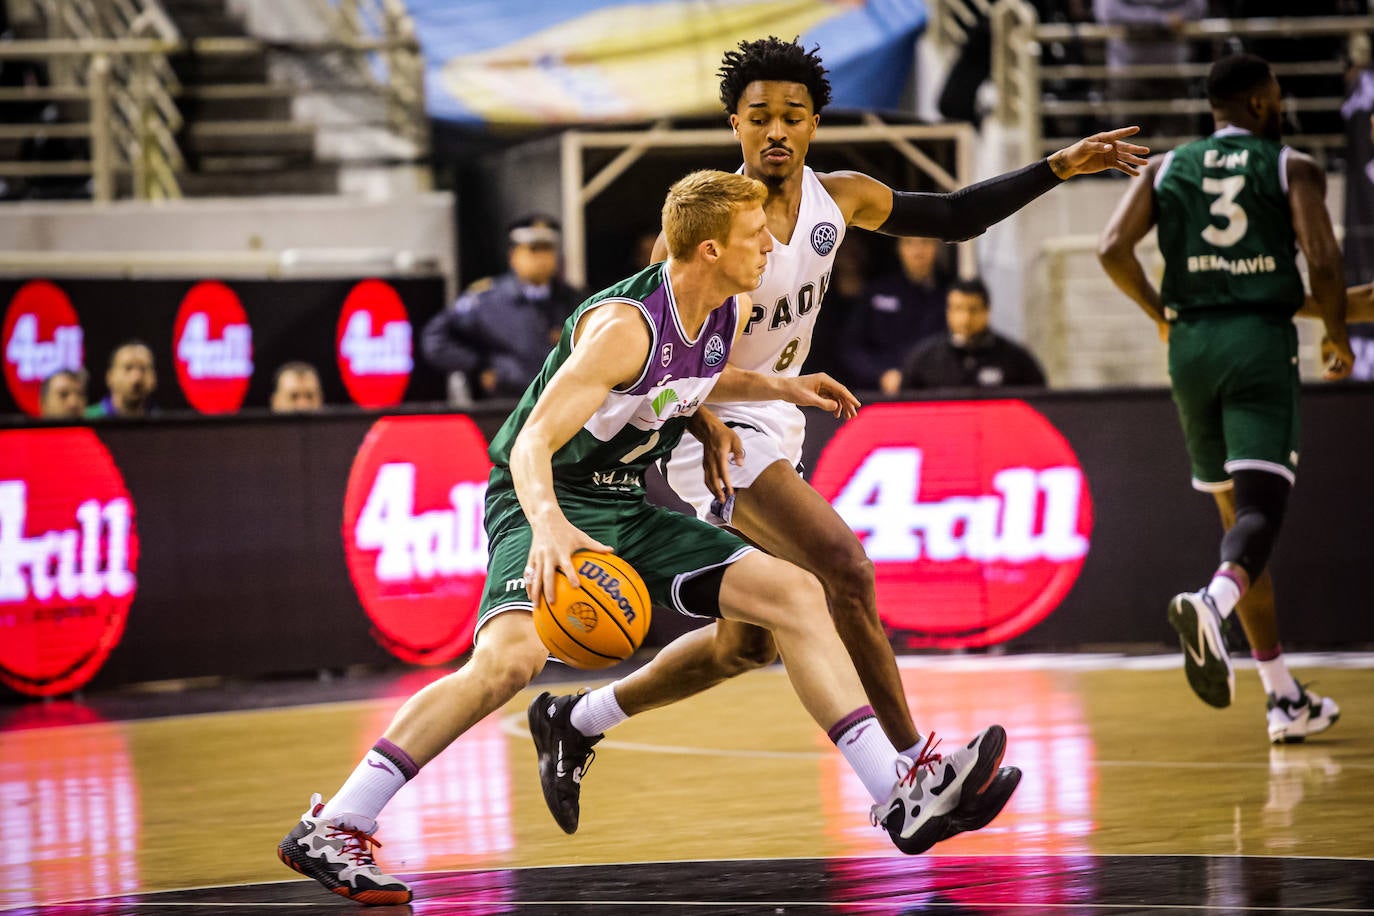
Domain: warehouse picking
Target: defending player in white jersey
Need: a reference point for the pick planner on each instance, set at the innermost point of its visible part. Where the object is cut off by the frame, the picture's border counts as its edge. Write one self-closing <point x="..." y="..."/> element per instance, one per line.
<point x="774" y="91"/>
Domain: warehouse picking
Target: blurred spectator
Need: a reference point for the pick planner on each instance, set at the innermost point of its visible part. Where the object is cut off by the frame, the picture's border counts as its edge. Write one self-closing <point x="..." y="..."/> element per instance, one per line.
<point x="500" y="330"/>
<point x="971" y="355"/>
<point x="643" y="254"/>
<point x="296" y="389"/>
<point x="63" y="395"/>
<point x="132" y="379"/>
<point x="897" y="311"/>
<point x="843" y="297"/>
<point x="1152" y="37"/>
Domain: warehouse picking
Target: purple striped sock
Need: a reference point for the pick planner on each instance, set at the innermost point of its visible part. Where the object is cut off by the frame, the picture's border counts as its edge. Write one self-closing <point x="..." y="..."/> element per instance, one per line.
<point x="1234" y="577"/>
<point x="839" y="728"/>
<point x="404" y="762"/>
<point x="1267" y="656"/>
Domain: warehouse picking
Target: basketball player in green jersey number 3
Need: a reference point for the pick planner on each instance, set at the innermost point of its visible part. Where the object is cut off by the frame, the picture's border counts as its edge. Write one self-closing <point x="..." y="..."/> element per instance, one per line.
<point x="1232" y="210"/>
<point x="773" y="92"/>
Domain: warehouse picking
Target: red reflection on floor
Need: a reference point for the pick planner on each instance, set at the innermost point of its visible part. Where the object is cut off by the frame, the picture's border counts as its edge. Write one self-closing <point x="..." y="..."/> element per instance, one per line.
<point x="458" y="814"/>
<point x="69" y="807"/>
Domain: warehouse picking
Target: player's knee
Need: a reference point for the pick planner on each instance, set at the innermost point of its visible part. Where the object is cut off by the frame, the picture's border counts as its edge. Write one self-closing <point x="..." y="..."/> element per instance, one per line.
<point x="745" y="649"/>
<point x="508" y="660"/>
<point x="1261" y="498"/>
<point x="802" y="597"/>
<point x="846" y="573"/>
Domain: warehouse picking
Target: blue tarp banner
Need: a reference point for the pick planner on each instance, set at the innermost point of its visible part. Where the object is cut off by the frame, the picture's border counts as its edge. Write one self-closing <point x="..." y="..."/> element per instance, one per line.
<point x="579" y="61"/>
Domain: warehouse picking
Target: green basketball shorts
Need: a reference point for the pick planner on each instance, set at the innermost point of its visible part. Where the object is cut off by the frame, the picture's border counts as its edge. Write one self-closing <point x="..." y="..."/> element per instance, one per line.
<point x="1235" y="384"/>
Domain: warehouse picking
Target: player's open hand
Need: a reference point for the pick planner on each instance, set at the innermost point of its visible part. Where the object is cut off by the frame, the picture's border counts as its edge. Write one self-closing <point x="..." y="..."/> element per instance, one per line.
<point x="1100" y="152"/>
<point x="820" y="390"/>
<point x="551" y="548"/>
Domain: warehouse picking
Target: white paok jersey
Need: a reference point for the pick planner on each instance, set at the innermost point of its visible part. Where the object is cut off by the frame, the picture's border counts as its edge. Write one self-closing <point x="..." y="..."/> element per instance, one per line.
<point x="776" y="341"/>
<point x="777" y="333"/>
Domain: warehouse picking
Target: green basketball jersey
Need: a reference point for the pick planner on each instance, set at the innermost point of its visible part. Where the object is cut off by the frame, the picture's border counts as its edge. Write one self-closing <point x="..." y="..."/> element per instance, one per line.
<point x="1225" y="228"/>
<point x="640" y="423"/>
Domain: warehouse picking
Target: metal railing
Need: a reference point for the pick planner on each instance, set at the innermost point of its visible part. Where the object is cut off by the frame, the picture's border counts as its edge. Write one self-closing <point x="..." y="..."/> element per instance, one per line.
<point x="1020" y="76"/>
<point x="114" y="55"/>
<point x="384" y="28"/>
<point x="950" y="20"/>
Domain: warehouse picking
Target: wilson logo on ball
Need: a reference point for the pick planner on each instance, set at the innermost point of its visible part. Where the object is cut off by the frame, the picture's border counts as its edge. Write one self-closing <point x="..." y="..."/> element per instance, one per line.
<point x="68" y="555"/>
<point x="975" y="514"/>
<point x="374" y="345"/>
<point x="41" y="336"/>
<point x="610" y="584"/>
<point x="413" y="535"/>
<point x="213" y="344"/>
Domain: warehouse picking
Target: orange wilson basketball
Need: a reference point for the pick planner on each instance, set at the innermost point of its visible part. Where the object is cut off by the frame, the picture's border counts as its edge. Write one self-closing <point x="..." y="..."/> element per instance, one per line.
<point x="602" y="621"/>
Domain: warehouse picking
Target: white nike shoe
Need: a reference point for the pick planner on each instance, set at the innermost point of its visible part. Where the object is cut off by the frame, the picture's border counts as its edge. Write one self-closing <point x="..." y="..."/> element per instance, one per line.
<point x="1195" y="618"/>
<point x="916" y="814"/>
<point x="1291" y="721"/>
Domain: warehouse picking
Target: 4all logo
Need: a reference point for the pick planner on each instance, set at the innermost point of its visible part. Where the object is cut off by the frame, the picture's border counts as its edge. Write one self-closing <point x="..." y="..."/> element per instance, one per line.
<point x="213" y="344"/>
<point x="41" y="335"/>
<point x="413" y="533"/>
<point x="68" y="554"/>
<point x="976" y="515"/>
<point x="374" y="345"/>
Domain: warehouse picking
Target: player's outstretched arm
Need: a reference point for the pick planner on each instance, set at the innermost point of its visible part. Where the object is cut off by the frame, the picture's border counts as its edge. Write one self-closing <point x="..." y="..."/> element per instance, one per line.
<point x="612" y="346"/>
<point x="1132" y="221"/>
<point x="963" y="214"/>
<point x="814" y="390"/>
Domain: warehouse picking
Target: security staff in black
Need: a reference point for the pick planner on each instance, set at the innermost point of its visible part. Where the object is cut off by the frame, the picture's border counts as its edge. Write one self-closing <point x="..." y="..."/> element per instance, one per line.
<point x="1232" y="210"/>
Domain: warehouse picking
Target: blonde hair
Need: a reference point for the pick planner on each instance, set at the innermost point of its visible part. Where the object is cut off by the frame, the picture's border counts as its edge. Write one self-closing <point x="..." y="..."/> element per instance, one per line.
<point x="702" y="205"/>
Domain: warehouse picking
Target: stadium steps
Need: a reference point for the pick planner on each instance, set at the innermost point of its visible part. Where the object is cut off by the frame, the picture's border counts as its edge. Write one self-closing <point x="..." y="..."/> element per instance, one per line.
<point x="240" y="137"/>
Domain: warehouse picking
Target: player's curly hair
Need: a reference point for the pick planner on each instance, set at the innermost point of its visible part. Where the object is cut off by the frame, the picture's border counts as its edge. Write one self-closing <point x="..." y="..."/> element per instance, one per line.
<point x="772" y="58"/>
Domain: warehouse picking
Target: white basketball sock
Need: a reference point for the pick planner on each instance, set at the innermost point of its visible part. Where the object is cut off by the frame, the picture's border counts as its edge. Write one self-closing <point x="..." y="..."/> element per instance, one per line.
<point x="1276" y="677"/>
<point x="1225" y="592"/>
<point x="598" y="712"/>
<point x="365" y="793"/>
<point x="870" y="755"/>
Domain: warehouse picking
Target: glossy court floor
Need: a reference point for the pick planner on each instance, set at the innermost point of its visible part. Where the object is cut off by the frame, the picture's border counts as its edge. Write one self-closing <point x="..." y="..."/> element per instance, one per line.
<point x="1137" y="798"/>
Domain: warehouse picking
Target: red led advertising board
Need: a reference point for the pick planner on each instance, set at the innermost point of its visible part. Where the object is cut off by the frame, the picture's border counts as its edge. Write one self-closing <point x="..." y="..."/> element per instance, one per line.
<point x="976" y="515"/>
<point x="41" y="335"/>
<point x="374" y="344"/>
<point x="413" y="534"/>
<point x="213" y="346"/>
<point x="68" y="554"/>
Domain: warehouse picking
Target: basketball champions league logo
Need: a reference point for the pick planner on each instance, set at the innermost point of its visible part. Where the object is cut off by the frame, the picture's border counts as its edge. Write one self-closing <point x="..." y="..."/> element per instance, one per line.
<point x="823" y="238"/>
<point x="715" y="350"/>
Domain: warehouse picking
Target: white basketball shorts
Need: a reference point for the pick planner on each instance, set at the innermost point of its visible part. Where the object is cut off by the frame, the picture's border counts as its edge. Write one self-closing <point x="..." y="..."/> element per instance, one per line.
<point x="771" y="432"/>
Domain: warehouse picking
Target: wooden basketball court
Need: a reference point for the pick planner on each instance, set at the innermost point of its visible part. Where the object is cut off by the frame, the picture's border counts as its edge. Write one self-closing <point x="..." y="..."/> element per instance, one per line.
<point x="1136" y="798"/>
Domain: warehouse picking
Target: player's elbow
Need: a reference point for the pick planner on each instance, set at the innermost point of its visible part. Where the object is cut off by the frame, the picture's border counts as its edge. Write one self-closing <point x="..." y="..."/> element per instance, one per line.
<point x="1111" y="248"/>
<point x="530" y="447"/>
